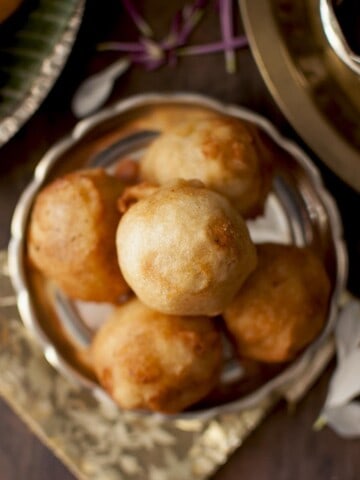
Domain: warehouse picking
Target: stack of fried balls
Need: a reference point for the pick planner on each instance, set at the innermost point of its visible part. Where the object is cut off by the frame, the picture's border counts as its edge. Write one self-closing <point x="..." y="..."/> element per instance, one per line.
<point x="177" y="244"/>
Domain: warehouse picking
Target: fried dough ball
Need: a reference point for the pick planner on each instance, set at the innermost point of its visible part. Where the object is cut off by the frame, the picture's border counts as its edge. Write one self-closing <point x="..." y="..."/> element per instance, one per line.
<point x="184" y="250"/>
<point x="148" y="360"/>
<point x="71" y="237"/>
<point x="224" y="153"/>
<point x="282" y="306"/>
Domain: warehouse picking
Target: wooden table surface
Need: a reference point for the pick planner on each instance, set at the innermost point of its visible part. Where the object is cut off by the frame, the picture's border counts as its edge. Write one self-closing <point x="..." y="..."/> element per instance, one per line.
<point x="284" y="446"/>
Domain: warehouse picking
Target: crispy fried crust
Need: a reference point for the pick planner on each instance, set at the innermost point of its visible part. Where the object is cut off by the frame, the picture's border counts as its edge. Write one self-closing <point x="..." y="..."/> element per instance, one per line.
<point x="224" y="153"/>
<point x="148" y="360"/>
<point x="71" y="237"/>
<point x="185" y="250"/>
<point x="282" y="306"/>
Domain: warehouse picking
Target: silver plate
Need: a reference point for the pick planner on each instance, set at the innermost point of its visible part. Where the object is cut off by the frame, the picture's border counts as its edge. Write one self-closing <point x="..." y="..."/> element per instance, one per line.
<point x="299" y="210"/>
<point x="32" y="58"/>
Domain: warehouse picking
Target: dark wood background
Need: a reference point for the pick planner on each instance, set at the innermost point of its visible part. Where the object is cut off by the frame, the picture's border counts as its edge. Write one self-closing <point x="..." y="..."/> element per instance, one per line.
<point x="285" y="446"/>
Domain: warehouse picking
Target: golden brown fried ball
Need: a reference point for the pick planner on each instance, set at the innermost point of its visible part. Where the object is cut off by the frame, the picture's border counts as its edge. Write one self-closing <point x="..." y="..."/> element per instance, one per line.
<point x="185" y="250"/>
<point x="71" y="237"/>
<point x="282" y="306"/>
<point x="148" y="360"/>
<point x="223" y="152"/>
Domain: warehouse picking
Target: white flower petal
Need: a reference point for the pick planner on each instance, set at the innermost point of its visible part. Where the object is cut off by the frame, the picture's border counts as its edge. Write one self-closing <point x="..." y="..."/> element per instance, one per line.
<point x="345" y="384"/>
<point x="347" y="332"/>
<point x="345" y="420"/>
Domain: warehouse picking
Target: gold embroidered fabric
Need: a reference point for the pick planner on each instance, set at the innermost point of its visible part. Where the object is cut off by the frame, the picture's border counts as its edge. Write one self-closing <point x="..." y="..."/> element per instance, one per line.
<point x="97" y="441"/>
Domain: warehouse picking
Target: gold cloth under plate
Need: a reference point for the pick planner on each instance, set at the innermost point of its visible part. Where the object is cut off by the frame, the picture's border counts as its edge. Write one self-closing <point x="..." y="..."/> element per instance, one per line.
<point x="98" y="441"/>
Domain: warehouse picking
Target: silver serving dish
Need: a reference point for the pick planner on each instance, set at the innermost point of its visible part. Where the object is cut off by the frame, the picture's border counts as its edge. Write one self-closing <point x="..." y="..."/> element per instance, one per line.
<point x="299" y="210"/>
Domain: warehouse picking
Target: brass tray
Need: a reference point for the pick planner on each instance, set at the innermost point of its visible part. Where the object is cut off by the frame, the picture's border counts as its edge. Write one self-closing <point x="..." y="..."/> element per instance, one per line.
<point x="298" y="211"/>
<point x="317" y="91"/>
